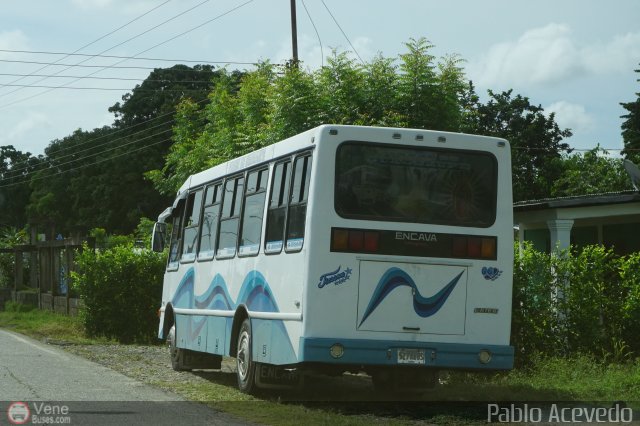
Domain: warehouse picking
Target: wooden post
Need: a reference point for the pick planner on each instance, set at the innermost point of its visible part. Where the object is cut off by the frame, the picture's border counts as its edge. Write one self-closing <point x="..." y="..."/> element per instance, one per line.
<point x="19" y="271"/>
<point x="33" y="260"/>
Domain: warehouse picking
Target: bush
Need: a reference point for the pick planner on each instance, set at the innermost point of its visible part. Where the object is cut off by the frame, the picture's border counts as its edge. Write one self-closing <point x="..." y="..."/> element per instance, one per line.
<point x="536" y="326"/>
<point x="11" y="306"/>
<point x="575" y="303"/>
<point x="121" y="288"/>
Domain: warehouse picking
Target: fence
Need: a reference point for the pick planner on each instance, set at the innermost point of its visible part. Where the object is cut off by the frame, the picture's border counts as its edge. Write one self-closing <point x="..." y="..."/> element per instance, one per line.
<point x="49" y="265"/>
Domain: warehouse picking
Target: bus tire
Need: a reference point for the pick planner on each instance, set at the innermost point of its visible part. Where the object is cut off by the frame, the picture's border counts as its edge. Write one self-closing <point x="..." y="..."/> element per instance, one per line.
<point x="177" y="354"/>
<point x="245" y="367"/>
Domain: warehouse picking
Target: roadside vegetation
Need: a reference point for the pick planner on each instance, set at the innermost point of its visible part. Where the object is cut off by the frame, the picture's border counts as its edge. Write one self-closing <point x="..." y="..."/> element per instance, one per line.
<point x="460" y="398"/>
<point x="576" y="345"/>
<point x="575" y="317"/>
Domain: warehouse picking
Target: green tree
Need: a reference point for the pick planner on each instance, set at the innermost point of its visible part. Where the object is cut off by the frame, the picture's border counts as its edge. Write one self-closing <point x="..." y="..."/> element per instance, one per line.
<point x="631" y="128"/>
<point x="96" y="178"/>
<point x="536" y="139"/>
<point x="271" y="104"/>
<point x="380" y="94"/>
<point x="15" y="167"/>
<point x="590" y="173"/>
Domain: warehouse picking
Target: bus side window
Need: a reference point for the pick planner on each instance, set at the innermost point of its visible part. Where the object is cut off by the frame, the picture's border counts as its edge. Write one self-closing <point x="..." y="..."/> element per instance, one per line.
<point x="251" y="225"/>
<point x="231" y="203"/>
<point x="209" y="225"/>
<point x="176" y="236"/>
<point x="192" y="219"/>
<point x="277" y="211"/>
<point x="298" y="203"/>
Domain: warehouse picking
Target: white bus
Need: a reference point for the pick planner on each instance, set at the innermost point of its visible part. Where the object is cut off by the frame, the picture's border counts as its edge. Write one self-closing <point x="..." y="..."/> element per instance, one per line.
<point x="344" y="248"/>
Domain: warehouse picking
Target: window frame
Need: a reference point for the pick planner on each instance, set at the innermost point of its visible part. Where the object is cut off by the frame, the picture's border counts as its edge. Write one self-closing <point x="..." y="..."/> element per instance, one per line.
<point x="177" y="216"/>
<point x="236" y="215"/>
<point x="306" y="188"/>
<point x="494" y="179"/>
<point x="216" y="186"/>
<point x="260" y="189"/>
<point x="285" y="180"/>
<point x="192" y="256"/>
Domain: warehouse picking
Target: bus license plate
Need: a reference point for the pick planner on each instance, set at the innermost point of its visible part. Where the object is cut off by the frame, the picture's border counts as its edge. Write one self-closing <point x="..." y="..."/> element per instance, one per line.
<point x="410" y="356"/>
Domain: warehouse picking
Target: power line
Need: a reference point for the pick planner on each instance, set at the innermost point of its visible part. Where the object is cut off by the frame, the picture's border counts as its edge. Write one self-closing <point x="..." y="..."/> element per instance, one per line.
<point x="129" y="128"/>
<point x="104" y="78"/>
<point x="112" y="67"/>
<point x="141" y="52"/>
<point x="102" y="37"/>
<point x="317" y="33"/>
<point x="118" y="57"/>
<point x="342" y="31"/>
<point x="197" y="27"/>
<point x="118" y="89"/>
<point x="93" y="42"/>
<point x="93" y="147"/>
<point x="104" y="51"/>
<point x="84" y="165"/>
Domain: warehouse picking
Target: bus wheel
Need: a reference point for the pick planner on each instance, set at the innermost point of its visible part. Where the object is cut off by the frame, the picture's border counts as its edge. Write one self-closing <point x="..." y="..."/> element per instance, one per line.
<point x="177" y="354"/>
<point x="246" y="368"/>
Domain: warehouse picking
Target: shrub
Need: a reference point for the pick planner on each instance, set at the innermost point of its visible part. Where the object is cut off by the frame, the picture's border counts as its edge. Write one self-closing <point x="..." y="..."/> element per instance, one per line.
<point x="629" y="271"/>
<point x="536" y="326"/>
<point x="575" y="303"/>
<point x="121" y="288"/>
<point x="11" y="306"/>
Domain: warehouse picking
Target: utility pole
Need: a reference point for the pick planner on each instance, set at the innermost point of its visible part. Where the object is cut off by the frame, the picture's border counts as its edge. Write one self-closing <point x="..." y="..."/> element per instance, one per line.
<point x="294" y="34"/>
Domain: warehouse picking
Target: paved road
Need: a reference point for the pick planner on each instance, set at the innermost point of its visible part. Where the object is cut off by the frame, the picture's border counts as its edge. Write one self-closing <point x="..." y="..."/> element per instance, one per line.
<point x="48" y="379"/>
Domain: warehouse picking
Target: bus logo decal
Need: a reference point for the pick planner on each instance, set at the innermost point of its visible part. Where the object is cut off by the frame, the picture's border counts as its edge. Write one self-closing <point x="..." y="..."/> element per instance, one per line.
<point x="423" y="306"/>
<point x="336" y="277"/>
<point x="490" y="273"/>
<point x="417" y="236"/>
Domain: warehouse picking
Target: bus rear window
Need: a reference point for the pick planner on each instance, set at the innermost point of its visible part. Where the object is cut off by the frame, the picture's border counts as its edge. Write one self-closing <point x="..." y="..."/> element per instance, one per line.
<point x="416" y="184"/>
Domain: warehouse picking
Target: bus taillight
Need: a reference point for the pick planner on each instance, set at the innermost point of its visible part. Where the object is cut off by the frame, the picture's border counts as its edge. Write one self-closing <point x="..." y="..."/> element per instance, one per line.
<point x="474" y="247"/>
<point x="355" y="240"/>
<point x="371" y="241"/>
<point x="340" y="239"/>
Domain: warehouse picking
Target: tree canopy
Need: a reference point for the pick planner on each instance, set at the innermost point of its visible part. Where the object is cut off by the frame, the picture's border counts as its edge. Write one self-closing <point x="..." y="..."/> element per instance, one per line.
<point x="96" y="178"/>
<point x="591" y="172"/>
<point x="182" y="120"/>
<point x="631" y="128"/>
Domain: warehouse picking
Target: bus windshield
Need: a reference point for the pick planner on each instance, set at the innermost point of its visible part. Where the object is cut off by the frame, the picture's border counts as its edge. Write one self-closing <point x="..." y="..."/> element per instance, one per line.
<point x="415" y="184"/>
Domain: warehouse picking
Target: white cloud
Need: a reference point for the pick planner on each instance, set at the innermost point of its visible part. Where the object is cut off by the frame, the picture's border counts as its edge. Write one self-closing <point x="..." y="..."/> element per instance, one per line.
<point x="92" y="4"/>
<point x="572" y="116"/>
<point x="549" y="55"/>
<point x="13" y="40"/>
<point x="620" y="55"/>
<point x="25" y="126"/>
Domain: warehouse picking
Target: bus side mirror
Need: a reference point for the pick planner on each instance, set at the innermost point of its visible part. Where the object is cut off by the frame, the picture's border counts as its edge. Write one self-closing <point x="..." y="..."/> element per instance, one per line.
<point x="159" y="237"/>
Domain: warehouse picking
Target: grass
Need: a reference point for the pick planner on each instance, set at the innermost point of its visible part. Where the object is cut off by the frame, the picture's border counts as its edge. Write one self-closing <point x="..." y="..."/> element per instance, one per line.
<point x="43" y="325"/>
<point x="350" y="400"/>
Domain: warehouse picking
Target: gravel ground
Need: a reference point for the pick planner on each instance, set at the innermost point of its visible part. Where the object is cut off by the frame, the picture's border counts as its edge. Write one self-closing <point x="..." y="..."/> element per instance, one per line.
<point x="149" y="364"/>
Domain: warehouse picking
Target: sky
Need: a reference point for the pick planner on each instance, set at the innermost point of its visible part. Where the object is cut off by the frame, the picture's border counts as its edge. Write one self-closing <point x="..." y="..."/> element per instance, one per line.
<point x="575" y="58"/>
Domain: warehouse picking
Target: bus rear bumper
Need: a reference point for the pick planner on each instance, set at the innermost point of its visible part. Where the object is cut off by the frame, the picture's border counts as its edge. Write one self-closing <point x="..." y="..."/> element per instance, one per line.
<point x="402" y="353"/>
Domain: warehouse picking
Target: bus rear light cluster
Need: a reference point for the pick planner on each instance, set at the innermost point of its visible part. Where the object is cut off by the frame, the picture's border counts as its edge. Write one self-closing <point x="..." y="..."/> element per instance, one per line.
<point x="355" y="240"/>
<point x="474" y="247"/>
<point x="409" y="243"/>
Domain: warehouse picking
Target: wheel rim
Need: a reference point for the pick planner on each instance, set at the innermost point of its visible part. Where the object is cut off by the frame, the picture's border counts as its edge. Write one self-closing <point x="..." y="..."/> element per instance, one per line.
<point x="243" y="356"/>
<point x="173" y="349"/>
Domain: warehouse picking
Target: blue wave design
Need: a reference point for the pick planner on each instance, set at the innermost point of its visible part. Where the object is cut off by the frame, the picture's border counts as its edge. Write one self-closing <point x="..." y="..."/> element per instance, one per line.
<point x="183" y="297"/>
<point x="254" y="293"/>
<point x="423" y="306"/>
<point x="216" y="297"/>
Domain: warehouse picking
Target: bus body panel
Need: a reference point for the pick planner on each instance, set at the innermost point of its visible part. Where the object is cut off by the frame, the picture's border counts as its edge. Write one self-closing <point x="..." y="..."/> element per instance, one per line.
<point x="382" y="309"/>
<point x="342" y="284"/>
